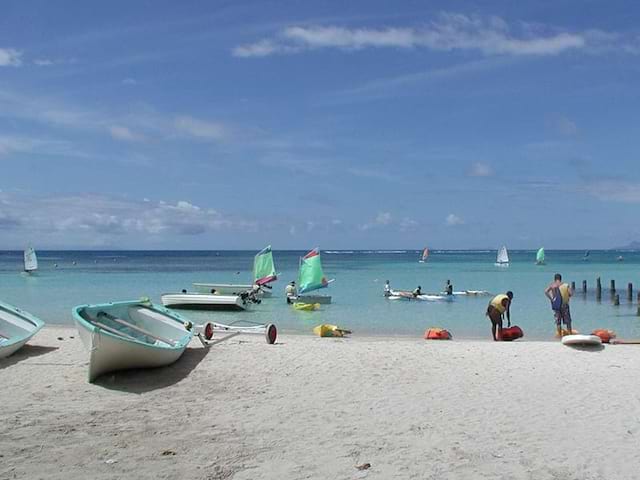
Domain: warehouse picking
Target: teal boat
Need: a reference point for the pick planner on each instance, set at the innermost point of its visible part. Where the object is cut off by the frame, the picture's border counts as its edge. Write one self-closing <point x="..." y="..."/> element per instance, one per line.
<point x="135" y="334"/>
<point x="311" y="278"/>
<point x="16" y="328"/>
<point x="540" y="257"/>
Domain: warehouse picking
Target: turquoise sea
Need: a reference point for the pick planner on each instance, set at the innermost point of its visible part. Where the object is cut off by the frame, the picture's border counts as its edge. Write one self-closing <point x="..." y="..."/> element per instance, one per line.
<point x="101" y="276"/>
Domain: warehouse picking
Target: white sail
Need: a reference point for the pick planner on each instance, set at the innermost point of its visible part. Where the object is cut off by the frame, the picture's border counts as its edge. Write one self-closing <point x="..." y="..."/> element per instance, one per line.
<point x="503" y="256"/>
<point x="30" y="260"/>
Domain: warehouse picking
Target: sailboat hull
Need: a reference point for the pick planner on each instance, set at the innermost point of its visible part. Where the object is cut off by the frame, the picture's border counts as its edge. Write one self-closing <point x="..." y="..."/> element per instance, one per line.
<point x="322" y="299"/>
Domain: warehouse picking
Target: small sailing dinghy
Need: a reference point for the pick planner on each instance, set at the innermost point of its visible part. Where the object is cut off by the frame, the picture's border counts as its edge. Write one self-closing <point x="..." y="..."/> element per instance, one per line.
<point x="502" y="260"/>
<point x="540" y="256"/>
<point x="264" y="272"/>
<point x="585" y="257"/>
<point x="311" y="278"/>
<point x="208" y="301"/>
<point x="30" y="260"/>
<point x="136" y="334"/>
<point x="424" y="256"/>
<point x="16" y="328"/>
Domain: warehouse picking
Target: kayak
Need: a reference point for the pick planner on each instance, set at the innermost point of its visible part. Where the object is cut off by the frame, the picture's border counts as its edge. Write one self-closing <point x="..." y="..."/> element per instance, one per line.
<point x="307" y="307"/>
<point x="584" y="340"/>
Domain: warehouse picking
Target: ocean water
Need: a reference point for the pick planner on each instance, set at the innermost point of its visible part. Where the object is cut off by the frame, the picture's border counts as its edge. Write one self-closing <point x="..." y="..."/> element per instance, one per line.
<point x="358" y="303"/>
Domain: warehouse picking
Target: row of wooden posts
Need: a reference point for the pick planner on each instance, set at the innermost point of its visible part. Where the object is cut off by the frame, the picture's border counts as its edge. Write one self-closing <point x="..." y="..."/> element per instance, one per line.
<point x="614" y="296"/>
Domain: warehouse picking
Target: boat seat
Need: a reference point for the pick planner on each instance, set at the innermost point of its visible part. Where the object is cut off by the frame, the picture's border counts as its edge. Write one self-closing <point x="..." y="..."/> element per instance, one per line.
<point x="4" y="335"/>
<point x="136" y="328"/>
<point x="114" y="331"/>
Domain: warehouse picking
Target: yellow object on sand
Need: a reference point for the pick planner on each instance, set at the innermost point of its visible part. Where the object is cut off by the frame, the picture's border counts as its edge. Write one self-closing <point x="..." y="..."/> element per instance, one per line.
<point x="306" y="306"/>
<point x="326" y="330"/>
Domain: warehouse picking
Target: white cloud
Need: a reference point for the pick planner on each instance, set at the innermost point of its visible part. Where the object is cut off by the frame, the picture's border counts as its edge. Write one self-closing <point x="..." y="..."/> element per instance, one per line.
<point x="10" y="57"/>
<point x="383" y="218"/>
<point x="614" y="190"/>
<point x="408" y="224"/>
<point x="111" y="217"/>
<point x="199" y="128"/>
<point x="119" y="132"/>
<point x="43" y="62"/>
<point x="479" y="169"/>
<point x="450" y="31"/>
<point x="565" y="126"/>
<point x="453" y="220"/>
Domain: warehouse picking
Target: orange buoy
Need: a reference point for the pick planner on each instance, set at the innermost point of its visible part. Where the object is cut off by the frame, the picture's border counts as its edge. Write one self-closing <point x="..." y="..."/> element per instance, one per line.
<point x="436" y="333"/>
<point x="604" y="334"/>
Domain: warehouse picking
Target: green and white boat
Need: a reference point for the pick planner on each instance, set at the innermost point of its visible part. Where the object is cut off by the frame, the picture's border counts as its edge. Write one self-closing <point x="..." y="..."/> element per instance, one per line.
<point x="264" y="273"/>
<point x="16" y="328"/>
<point x="540" y="256"/>
<point x="311" y="278"/>
<point x="135" y="334"/>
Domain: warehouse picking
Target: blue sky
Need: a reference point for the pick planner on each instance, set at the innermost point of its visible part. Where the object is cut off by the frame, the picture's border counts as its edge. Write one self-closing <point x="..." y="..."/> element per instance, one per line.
<point x="365" y="124"/>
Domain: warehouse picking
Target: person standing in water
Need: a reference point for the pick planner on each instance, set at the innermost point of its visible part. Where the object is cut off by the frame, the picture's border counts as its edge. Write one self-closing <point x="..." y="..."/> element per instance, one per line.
<point x="498" y="306"/>
<point x="290" y="291"/>
<point x="387" y="289"/>
<point x="448" y="288"/>
<point x="559" y="294"/>
<point x="417" y="292"/>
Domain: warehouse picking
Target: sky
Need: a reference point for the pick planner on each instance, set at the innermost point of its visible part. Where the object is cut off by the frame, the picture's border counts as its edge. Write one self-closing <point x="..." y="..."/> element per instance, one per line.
<point x="362" y="124"/>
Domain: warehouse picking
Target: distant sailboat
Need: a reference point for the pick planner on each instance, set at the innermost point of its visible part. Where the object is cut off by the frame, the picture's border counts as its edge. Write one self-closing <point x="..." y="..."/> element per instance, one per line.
<point x="502" y="260"/>
<point x="540" y="256"/>
<point x="264" y="270"/>
<point x="30" y="260"/>
<point x="586" y="256"/>
<point x="425" y="255"/>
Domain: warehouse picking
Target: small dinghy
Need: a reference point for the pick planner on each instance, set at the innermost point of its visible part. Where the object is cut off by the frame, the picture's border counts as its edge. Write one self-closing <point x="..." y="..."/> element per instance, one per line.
<point x="311" y="278"/>
<point x="16" y="328"/>
<point x="502" y="259"/>
<point x="124" y="335"/>
<point x="207" y="301"/>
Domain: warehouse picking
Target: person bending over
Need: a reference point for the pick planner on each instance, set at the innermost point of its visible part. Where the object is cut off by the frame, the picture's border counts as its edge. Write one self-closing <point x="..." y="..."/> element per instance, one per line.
<point x="498" y="307"/>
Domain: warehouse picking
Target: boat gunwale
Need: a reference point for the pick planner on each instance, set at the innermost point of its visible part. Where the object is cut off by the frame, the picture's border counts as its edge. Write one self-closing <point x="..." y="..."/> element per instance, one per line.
<point x="179" y="345"/>
<point x="29" y="317"/>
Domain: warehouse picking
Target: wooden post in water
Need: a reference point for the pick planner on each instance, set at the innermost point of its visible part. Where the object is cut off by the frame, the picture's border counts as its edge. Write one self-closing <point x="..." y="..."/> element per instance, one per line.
<point x="638" y="312"/>
<point x="584" y="287"/>
<point x="573" y="287"/>
<point x="598" y="289"/>
<point x="616" y="299"/>
<point x="630" y="292"/>
<point x="613" y="286"/>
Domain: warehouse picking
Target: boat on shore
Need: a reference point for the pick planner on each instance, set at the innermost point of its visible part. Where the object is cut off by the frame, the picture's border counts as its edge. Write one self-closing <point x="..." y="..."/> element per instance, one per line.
<point x="264" y="273"/>
<point x="311" y="278"/>
<point x="208" y="301"/>
<point x="502" y="259"/>
<point x="135" y="334"/>
<point x="16" y="328"/>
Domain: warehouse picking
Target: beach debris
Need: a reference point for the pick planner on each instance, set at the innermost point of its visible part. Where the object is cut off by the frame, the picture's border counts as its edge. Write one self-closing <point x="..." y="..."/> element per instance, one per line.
<point x="60" y="338"/>
<point x="364" y="466"/>
<point x="111" y="461"/>
<point x="167" y="453"/>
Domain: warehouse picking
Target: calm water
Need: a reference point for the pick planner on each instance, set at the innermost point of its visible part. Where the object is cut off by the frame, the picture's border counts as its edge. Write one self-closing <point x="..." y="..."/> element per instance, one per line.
<point x="357" y="292"/>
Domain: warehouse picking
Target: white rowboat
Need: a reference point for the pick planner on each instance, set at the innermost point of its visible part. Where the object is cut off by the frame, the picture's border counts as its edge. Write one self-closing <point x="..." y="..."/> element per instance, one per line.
<point x="204" y="301"/>
<point x="16" y="328"/>
<point x="136" y="334"/>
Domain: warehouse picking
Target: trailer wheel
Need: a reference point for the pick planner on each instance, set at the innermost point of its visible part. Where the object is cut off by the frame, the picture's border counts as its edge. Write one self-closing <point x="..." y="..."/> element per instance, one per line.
<point x="271" y="333"/>
<point x="208" y="331"/>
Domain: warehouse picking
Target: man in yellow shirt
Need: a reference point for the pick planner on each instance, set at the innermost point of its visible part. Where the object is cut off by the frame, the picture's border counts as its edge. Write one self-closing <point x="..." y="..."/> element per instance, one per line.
<point x="559" y="294"/>
<point x="498" y="306"/>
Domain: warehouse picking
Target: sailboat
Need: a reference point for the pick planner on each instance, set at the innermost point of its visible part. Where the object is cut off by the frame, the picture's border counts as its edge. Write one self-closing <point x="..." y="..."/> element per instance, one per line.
<point x="311" y="278"/>
<point x="502" y="260"/>
<point x="264" y="272"/>
<point x="540" y="256"/>
<point x="585" y="258"/>
<point x="30" y="260"/>
<point x="425" y="256"/>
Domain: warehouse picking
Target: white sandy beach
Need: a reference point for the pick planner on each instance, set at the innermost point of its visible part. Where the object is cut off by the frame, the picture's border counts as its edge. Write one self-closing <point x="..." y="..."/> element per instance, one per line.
<point x="317" y="408"/>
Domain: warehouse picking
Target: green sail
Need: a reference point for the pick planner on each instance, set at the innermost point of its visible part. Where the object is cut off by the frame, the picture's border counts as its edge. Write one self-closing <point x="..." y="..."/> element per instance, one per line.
<point x="311" y="276"/>
<point x="540" y="256"/>
<point x="264" y="270"/>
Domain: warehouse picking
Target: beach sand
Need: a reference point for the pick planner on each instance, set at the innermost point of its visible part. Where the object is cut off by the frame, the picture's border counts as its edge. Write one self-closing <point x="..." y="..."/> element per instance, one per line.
<point x="316" y="408"/>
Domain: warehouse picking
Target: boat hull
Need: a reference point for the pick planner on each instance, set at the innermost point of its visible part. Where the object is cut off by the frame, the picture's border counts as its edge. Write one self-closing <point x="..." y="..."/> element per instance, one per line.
<point x="322" y="299"/>
<point x="16" y="328"/>
<point x="202" y="301"/>
<point x="109" y="352"/>
<point x="230" y="289"/>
